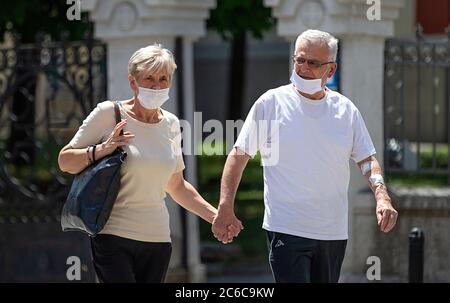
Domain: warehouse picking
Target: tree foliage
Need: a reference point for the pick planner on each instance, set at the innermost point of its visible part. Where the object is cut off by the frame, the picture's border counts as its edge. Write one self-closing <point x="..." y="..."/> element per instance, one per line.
<point x="29" y="17"/>
<point x="233" y="17"/>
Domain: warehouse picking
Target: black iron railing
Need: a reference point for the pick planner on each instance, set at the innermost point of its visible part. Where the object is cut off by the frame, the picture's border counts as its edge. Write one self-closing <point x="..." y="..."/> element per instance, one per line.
<point x="416" y="105"/>
<point x="46" y="90"/>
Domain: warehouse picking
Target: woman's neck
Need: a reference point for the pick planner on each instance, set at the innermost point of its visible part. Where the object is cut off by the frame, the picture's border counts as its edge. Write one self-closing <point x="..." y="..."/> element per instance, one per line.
<point x="143" y="114"/>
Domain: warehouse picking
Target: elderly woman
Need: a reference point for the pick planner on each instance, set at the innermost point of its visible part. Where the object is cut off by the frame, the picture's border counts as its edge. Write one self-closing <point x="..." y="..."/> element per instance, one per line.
<point x="135" y="244"/>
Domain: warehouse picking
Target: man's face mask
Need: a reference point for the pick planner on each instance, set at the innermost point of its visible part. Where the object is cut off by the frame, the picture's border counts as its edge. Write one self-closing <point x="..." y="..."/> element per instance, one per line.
<point x="306" y="86"/>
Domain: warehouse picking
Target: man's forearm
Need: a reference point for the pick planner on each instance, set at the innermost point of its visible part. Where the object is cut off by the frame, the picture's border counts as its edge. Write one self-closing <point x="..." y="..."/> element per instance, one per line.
<point x="231" y="177"/>
<point x="228" y="187"/>
<point x="381" y="193"/>
<point x="385" y="213"/>
<point x="379" y="189"/>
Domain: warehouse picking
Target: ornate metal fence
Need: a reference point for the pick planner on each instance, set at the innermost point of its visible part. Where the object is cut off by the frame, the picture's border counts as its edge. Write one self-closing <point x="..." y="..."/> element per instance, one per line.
<point x="46" y="90"/>
<point x="416" y="105"/>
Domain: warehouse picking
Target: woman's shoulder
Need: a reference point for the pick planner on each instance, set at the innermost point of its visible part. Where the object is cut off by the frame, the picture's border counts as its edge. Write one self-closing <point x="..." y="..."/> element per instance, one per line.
<point x="105" y="105"/>
<point x="105" y="108"/>
<point x="170" y="117"/>
<point x="101" y="110"/>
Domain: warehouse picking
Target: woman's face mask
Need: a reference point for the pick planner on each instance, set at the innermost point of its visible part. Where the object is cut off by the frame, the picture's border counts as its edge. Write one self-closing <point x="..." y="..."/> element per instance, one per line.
<point x="153" y="98"/>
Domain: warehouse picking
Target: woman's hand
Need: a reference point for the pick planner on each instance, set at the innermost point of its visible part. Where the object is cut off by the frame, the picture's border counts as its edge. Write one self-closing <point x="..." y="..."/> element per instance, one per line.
<point x="115" y="139"/>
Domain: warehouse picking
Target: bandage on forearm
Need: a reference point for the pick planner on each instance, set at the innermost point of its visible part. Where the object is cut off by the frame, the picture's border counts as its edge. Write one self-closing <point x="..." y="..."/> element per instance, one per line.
<point x="376" y="179"/>
<point x="366" y="167"/>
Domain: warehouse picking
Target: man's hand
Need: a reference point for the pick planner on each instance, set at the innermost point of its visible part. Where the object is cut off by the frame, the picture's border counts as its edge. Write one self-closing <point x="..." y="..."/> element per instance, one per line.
<point x="386" y="215"/>
<point x="226" y="226"/>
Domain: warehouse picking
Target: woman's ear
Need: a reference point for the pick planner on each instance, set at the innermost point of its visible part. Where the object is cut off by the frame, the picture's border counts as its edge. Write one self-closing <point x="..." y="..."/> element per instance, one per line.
<point x="133" y="84"/>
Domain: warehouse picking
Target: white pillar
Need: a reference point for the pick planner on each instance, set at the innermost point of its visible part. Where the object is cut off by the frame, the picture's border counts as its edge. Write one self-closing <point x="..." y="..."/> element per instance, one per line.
<point x="362" y="73"/>
<point x="198" y="271"/>
<point x="361" y="70"/>
<point x="126" y="26"/>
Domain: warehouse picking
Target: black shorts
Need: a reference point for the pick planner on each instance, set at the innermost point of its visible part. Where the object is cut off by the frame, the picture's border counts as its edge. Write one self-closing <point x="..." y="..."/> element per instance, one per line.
<point x="118" y="259"/>
<point x="302" y="260"/>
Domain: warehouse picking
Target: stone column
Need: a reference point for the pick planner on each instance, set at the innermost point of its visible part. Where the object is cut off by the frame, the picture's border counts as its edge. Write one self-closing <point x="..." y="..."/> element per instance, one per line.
<point x="361" y="70"/>
<point x="129" y="25"/>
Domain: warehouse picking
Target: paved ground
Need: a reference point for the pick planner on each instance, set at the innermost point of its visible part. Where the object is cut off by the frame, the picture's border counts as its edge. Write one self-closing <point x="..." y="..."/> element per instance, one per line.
<point x="264" y="278"/>
<point x="218" y="273"/>
<point x="256" y="273"/>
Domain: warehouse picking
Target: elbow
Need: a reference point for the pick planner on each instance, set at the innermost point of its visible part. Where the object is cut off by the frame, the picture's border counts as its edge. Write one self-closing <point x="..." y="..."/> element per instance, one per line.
<point x="175" y="190"/>
<point x="171" y="189"/>
<point x="62" y="164"/>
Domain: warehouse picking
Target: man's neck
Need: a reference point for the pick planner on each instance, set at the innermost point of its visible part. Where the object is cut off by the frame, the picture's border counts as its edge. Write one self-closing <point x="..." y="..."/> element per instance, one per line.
<point x="316" y="96"/>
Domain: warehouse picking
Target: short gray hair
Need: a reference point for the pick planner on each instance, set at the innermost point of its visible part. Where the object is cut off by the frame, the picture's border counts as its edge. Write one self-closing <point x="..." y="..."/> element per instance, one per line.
<point x="319" y="37"/>
<point x="153" y="58"/>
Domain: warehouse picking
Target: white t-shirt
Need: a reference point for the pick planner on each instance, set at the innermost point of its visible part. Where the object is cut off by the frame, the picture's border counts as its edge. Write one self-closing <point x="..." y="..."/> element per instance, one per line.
<point x="153" y="156"/>
<point x="305" y="148"/>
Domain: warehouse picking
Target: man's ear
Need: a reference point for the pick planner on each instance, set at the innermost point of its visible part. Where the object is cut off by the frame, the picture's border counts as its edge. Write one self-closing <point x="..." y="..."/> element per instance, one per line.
<point x="332" y="70"/>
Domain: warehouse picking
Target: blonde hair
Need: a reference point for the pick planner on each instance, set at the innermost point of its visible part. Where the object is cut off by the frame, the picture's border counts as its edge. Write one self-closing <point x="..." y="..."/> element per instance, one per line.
<point x="152" y="59"/>
<point x="320" y="37"/>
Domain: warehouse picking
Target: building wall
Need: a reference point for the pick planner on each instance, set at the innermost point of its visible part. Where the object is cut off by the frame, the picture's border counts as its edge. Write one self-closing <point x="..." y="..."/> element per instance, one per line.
<point x="406" y="22"/>
<point x="425" y="208"/>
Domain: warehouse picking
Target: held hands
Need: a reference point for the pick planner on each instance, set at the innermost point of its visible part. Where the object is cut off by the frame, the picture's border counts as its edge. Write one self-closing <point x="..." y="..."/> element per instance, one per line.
<point x="226" y="226"/>
<point x="115" y="140"/>
<point x="386" y="215"/>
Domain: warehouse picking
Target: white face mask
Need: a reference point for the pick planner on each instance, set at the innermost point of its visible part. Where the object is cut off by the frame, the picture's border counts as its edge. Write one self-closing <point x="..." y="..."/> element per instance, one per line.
<point x="309" y="87"/>
<point x="152" y="98"/>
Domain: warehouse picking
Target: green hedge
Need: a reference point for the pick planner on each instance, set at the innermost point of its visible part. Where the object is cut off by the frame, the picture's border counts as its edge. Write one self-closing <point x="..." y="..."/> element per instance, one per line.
<point x="426" y="162"/>
<point x="426" y="157"/>
<point x="249" y="205"/>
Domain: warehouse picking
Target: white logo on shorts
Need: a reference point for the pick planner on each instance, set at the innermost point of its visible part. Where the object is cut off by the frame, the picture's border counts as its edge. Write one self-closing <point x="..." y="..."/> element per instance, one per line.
<point x="279" y="243"/>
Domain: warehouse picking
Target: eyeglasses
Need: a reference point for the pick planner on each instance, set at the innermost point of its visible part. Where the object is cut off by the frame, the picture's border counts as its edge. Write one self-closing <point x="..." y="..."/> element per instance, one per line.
<point x="313" y="64"/>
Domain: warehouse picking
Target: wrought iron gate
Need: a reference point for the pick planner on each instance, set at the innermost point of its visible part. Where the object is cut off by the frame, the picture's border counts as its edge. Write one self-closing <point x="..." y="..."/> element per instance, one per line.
<point x="46" y="90"/>
<point x="416" y="105"/>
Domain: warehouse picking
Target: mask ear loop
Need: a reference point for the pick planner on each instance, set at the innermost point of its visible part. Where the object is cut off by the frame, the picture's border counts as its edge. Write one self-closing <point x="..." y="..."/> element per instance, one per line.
<point x="326" y="71"/>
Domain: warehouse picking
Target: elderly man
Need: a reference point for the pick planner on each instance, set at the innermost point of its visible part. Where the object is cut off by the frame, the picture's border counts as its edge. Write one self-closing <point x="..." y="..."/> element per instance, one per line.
<point x="306" y="167"/>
